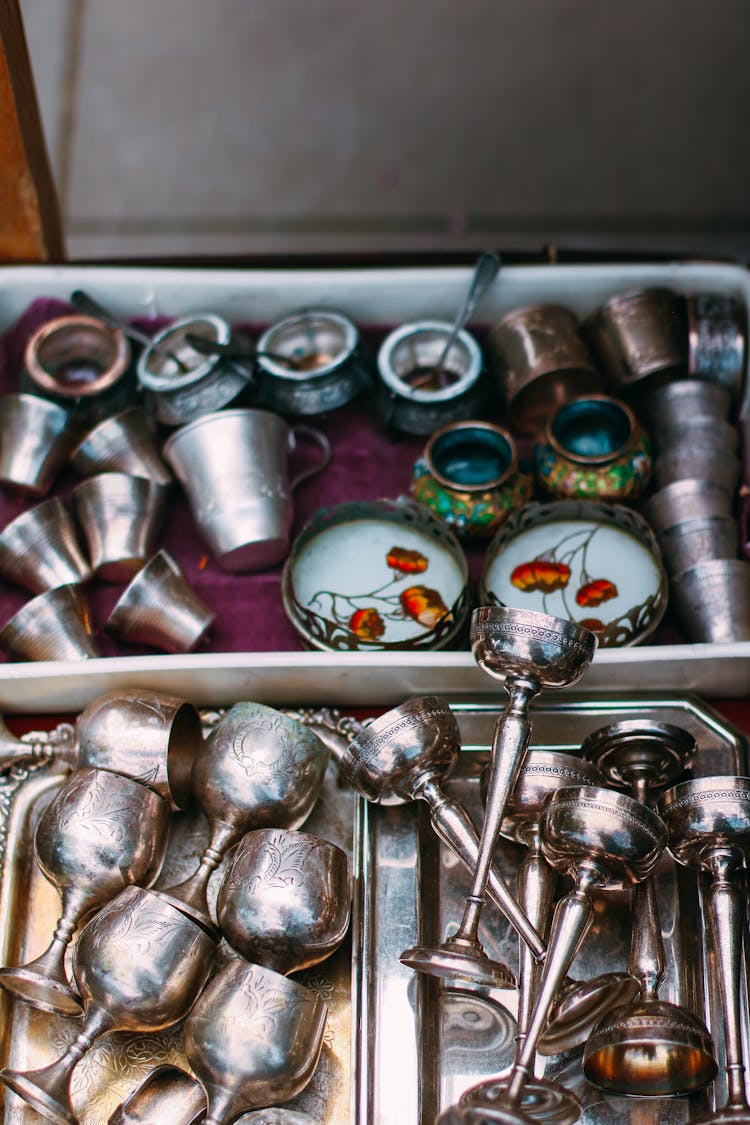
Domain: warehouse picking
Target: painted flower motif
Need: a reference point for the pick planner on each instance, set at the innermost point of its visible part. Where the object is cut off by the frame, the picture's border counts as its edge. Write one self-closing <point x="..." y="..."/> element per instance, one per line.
<point x="541" y="574"/>
<point x="593" y="623"/>
<point x="595" y="592"/>
<point x="367" y="624"/>
<point x="424" y="605"/>
<point x="408" y="562"/>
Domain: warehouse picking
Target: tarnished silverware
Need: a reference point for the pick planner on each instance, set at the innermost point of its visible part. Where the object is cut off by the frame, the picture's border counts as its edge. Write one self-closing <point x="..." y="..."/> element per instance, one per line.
<point x="159" y="608"/>
<point x="253" y="1038"/>
<point x="39" y="549"/>
<point x="646" y="1047"/>
<point x="259" y="768"/>
<point x="602" y="840"/>
<point x="541" y="774"/>
<point x="123" y="443"/>
<point x="55" y="625"/>
<point x="139" y="965"/>
<point x="121" y="517"/>
<point x="708" y="821"/>
<point x="101" y="833"/>
<point x="285" y="901"/>
<point x="36" y="437"/>
<point x="529" y="651"/>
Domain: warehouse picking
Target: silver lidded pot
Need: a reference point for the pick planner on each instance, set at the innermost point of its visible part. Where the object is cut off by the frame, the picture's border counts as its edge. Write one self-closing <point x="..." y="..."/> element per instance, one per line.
<point x="416" y="397"/>
<point x="181" y="383"/>
<point x="310" y="362"/>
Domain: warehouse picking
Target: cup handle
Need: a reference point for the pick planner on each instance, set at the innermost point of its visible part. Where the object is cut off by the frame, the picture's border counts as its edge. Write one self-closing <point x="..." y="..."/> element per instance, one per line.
<point x="309" y="433"/>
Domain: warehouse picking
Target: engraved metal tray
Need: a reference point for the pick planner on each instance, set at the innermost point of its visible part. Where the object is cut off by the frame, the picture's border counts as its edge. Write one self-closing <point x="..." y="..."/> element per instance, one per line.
<point x="117" y="1062"/>
<point x="419" y="1042"/>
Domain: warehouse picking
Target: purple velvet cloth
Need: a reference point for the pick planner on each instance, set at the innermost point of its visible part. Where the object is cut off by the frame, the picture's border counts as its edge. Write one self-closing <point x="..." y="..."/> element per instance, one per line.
<point x="367" y="463"/>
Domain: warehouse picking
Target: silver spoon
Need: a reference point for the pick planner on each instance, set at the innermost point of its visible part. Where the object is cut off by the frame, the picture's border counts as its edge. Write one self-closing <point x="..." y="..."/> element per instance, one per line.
<point x="485" y="271"/>
<point x="86" y="304"/>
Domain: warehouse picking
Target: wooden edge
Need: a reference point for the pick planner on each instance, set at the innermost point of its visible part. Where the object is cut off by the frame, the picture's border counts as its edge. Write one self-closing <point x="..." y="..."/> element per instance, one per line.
<point x="30" y="224"/>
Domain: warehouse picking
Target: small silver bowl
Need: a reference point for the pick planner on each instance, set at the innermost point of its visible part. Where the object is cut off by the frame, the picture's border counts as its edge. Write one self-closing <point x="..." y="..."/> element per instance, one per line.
<point x="410" y="396"/>
<point x="55" y="625"/>
<point x="159" y="608"/>
<point x="209" y="382"/>
<point x="325" y="367"/>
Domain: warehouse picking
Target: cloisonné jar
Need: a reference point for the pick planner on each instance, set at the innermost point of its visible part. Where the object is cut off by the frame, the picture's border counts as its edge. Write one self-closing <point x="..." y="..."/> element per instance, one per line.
<point x="468" y="475"/>
<point x="594" y="448"/>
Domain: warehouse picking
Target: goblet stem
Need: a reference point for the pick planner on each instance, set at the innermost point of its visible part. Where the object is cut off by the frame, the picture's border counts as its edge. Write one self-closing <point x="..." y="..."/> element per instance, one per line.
<point x="509" y="744"/>
<point x="571" y="920"/>
<point x="455" y="828"/>
<point x="193" y="892"/>
<point x="726" y="919"/>
<point x="646" y="960"/>
<point x="48" y="1089"/>
<point x="536" y="888"/>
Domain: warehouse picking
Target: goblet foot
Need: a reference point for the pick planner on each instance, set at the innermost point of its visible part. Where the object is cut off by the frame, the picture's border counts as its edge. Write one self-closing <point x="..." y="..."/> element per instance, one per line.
<point x="729" y="1115"/>
<point x="580" y="1006"/>
<point x="451" y="961"/>
<point x="30" y="1087"/>
<point x="541" y="1100"/>
<point x="40" y="991"/>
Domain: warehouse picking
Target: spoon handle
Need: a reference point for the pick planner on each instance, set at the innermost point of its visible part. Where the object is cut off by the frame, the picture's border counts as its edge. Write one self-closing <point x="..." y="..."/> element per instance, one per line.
<point x="87" y="304"/>
<point x="485" y="272"/>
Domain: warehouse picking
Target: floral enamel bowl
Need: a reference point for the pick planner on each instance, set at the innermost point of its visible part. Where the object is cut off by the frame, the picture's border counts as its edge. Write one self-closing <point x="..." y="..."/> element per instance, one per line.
<point x="376" y="575"/>
<point x="596" y="564"/>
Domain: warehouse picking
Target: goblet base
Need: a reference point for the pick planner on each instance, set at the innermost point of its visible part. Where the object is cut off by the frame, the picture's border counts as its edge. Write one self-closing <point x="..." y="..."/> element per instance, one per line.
<point x="651" y="1049"/>
<point x="456" y="964"/>
<point x="541" y="1100"/>
<point x="197" y="914"/>
<point x="49" y="1107"/>
<point x="44" y="993"/>
<point x="579" y="1008"/>
<point x="471" y="1115"/>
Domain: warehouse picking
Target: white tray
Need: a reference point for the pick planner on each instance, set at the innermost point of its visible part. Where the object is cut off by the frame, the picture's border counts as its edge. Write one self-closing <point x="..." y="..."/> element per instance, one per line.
<point x="374" y="297"/>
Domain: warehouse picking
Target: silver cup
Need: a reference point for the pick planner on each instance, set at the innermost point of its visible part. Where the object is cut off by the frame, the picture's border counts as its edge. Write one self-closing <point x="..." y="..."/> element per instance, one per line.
<point x="713" y="601"/>
<point x="124" y="443"/>
<point x="36" y="437"/>
<point x="710" y="465"/>
<point x="691" y="498"/>
<point x="55" y="625"/>
<point x="678" y="401"/>
<point x="39" y="549"/>
<point x="146" y="735"/>
<point x="700" y="429"/>
<point x="159" y="608"/>
<point x="121" y="516"/>
<point x="233" y="467"/>
<point x="698" y="540"/>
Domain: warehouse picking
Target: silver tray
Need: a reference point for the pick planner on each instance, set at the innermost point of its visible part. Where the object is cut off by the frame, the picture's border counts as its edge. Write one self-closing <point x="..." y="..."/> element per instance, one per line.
<point x="117" y="1062"/>
<point x="420" y="1043"/>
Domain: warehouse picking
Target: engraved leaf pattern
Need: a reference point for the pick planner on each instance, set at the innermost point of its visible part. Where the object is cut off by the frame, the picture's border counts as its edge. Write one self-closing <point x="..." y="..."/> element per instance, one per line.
<point x="283" y="867"/>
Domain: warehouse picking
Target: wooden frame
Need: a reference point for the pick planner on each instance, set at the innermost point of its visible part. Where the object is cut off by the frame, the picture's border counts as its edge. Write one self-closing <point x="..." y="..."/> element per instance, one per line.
<point x="30" y="225"/>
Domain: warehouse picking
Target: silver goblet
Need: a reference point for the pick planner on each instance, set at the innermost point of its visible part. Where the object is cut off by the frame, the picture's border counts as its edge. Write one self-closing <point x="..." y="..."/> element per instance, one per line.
<point x="253" y="1038"/>
<point x="151" y="737"/>
<point x="542" y="773"/>
<point x="602" y="840"/>
<point x="647" y="1046"/>
<point x="405" y="755"/>
<point x="139" y="965"/>
<point x="529" y="651"/>
<point x="708" y="820"/>
<point x="101" y="833"/>
<point x="285" y="901"/>
<point x="259" y="768"/>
